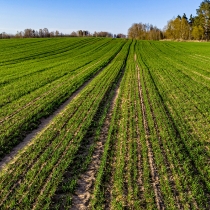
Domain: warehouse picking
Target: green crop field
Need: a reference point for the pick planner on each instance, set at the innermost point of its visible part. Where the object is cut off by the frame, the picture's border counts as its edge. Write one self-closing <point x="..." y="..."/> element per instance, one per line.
<point x="134" y="132"/>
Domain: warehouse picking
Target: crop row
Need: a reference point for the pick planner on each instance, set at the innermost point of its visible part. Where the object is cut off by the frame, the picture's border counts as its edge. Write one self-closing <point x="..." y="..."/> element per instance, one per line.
<point x="37" y="70"/>
<point x="146" y="163"/>
<point x="188" y="101"/>
<point x="123" y="179"/>
<point x="156" y="155"/>
<point x="39" y="167"/>
<point x="31" y="107"/>
<point x="174" y="100"/>
<point x="86" y="161"/>
<point x="38" y="50"/>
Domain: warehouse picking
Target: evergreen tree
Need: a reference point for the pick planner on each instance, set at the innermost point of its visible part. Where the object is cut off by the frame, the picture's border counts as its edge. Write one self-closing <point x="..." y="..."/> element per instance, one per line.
<point x="204" y="17"/>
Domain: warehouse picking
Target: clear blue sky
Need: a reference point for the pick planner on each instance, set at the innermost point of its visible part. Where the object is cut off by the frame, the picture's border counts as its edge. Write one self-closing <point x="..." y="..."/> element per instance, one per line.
<point x="92" y="15"/>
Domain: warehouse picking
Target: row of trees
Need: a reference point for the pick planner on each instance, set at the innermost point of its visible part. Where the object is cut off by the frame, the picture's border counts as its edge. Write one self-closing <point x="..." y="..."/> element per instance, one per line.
<point x="31" y="33"/>
<point x="179" y="28"/>
<point x="82" y="33"/>
<point x="144" y="32"/>
<point x="197" y="27"/>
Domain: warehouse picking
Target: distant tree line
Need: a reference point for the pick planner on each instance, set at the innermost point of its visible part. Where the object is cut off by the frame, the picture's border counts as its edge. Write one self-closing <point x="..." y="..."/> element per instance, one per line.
<point x="179" y="28"/>
<point x="144" y="32"/>
<point x="81" y="33"/>
<point x="197" y="27"/>
<point x="31" y="33"/>
<point x="45" y="33"/>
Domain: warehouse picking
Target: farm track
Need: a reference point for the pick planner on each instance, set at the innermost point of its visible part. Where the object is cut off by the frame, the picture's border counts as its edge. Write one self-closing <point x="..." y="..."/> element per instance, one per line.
<point x="48" y="145"/>
<point x="85" y="183"/>
<point x="61" y="76"/>
<point x="139" y="155"/>
<point x="139" y="150"/>
<point x="31" y="165"/>
<point x="63" y="155"/>
<point x="109" y="185"/>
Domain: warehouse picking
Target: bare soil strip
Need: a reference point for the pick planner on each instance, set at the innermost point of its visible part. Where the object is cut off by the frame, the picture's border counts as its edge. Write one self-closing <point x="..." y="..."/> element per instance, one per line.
<point x="31" y="164"/>
<point x="128" y="158"/>
<point x="139" y="155"/>
<point x="44" y="124"/>
<point x="139" y="152"/>
<point x="154" y="172"/>
<point x="48" y="145"/>
<point x="85" y="184"/>
<point x="62" y="156"/>
<point x="60" y="159"/>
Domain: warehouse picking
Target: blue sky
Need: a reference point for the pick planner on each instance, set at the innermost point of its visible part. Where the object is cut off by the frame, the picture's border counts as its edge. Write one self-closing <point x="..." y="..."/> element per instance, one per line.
<point x="92" y="15"/>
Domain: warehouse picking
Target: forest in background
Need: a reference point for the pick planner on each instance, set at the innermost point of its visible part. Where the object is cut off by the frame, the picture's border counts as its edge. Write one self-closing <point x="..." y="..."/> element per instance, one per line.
<point x="179" y="28"/>
<point x="197" y="28"/>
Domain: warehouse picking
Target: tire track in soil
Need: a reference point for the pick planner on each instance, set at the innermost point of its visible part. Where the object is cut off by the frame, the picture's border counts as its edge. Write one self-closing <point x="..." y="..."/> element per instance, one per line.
<point x="128" y="156"/>
<point x="139" y="156"/>
<point x="63" y="154"/>
<point x="85" y="184"/>
<point x="109" y="185"/>
<point x="45" y="123"/>
<point x="153" y="168"/>
<point x="43" y="127"/>
<point x="31" y="164"/>
<point x="59" y="160"/>
<point x="166" y="162"/>
<point x="19" y="181"/>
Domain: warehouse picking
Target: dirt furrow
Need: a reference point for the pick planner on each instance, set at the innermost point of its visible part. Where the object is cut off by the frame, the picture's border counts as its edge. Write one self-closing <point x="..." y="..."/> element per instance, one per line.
<point x="45" y="122"/>
<point x="139" y="155"/>
<point x="140" y="159"/>
<point x="32" y="164"/>
<point x="85" y="184"/>
<point x="61" y="158"/>
<point x="42" y="127"/>
<point x="166" y="162"/>
<point x="153" y="168"/>
<point x="208" y="78"/>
